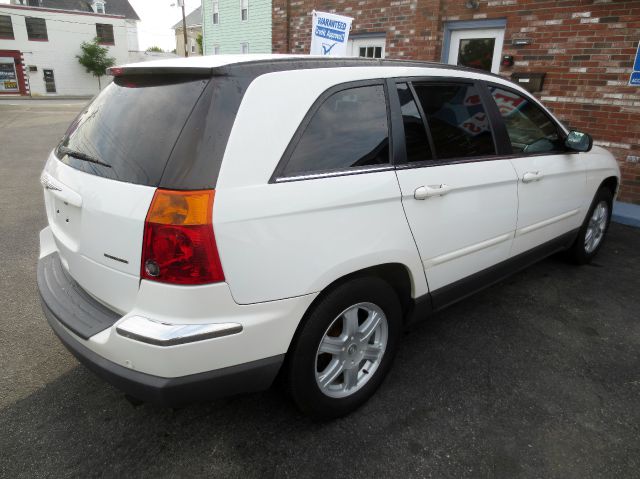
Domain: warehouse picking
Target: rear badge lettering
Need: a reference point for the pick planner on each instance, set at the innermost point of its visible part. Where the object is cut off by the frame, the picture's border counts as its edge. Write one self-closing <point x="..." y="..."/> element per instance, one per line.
<point x="115" y="258"/>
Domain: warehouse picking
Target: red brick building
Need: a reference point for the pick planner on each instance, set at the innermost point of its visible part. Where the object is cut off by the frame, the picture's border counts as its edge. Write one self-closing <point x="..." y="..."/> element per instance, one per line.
<point x="585" y="48"/>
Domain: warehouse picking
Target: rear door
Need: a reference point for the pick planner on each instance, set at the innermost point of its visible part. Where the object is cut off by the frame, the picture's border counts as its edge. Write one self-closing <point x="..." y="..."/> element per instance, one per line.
<point x="459" y="198"/>
<point x="100" y="180"/>
<point x="552" y="180"/>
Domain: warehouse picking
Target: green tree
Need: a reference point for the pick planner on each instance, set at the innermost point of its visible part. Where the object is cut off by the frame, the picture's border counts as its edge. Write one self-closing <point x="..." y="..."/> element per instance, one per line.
<point x="155" y="49"/>
<point x="199" y="41"/>
<point x="94" y="59"/>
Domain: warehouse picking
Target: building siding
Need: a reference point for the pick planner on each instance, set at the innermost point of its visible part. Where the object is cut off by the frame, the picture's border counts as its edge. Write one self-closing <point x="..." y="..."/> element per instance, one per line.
<point x="231" y="31"/>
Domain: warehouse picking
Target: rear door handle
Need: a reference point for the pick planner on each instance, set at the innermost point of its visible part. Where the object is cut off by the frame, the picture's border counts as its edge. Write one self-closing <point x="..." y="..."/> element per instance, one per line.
<point x="424" y="192"/>
<point x="530" y="176"/>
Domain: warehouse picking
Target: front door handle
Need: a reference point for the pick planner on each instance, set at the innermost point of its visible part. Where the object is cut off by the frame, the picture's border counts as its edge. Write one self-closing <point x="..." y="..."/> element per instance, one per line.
<point x="424" y="192"/>
<point x="530" y="176"/>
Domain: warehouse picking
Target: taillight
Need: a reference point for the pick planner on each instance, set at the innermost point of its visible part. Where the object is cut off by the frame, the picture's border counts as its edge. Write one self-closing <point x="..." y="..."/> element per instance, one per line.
<point x="179" y="246"/>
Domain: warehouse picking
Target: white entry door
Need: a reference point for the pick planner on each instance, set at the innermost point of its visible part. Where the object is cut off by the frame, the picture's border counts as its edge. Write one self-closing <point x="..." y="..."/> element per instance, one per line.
<point x="479" y="48"/>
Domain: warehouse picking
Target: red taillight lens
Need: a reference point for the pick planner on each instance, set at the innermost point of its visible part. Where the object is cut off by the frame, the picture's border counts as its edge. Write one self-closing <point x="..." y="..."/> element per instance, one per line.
<point x="179" y="246"/>
<point x="115" y="71"/>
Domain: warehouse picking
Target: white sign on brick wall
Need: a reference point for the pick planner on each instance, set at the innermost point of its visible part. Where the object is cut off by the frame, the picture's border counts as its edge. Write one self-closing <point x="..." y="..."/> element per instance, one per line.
<point x="330" y="34"/>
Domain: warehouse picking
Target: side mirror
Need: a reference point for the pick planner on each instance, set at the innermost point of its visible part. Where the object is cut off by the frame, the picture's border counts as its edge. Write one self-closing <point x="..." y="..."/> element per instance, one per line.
<point x="578" y="141"/>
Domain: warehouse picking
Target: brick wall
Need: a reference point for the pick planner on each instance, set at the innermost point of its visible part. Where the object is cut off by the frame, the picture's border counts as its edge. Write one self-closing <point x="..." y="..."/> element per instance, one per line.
<point x="586" y="47"/>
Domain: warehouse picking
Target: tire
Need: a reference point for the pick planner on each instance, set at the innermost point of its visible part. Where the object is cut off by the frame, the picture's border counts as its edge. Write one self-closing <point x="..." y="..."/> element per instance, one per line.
<point x="594" y="229"/>
<point x="337" y="378"/>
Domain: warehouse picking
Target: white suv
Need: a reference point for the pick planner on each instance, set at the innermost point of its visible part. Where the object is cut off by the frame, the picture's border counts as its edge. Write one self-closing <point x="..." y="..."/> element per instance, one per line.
<point x="214" y="221"/>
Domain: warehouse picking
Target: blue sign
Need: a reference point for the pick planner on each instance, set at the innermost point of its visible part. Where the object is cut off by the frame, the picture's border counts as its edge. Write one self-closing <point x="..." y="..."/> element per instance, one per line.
<point x="635" y="76"/>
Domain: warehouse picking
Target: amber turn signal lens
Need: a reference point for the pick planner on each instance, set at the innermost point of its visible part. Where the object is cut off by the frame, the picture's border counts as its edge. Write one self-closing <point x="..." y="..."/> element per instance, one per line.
<point x="181" y="207"/>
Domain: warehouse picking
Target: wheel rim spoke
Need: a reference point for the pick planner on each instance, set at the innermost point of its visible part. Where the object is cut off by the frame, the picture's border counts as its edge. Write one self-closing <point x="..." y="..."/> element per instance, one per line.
<point x="369" y="326"/>
<point x="350" y="322"/>
<point x="331" y="345"/>
<point x="350" y="378"/>
<point x="372" y="352"/>
<point x="330" y="374"/>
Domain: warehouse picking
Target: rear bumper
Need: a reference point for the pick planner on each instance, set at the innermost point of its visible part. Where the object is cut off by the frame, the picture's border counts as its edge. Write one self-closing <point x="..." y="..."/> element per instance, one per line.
<point x="168" y="375"/>
<point x="254" y="376"/>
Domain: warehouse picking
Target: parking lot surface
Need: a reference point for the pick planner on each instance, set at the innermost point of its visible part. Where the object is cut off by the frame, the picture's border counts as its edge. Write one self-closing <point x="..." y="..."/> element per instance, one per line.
<point x="538" y="376"/>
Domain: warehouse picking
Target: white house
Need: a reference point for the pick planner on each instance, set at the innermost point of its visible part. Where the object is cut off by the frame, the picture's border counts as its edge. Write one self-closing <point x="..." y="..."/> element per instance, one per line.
<point x="39" y="44"/>
<point x="109" y="7"/>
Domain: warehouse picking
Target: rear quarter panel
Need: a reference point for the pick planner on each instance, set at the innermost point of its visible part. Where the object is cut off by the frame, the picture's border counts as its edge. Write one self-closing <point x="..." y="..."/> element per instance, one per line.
<point x="288" y="239"/>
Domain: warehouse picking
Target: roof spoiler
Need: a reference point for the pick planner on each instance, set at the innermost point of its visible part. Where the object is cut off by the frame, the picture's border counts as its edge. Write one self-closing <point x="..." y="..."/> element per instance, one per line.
<point x="125" y="71"/>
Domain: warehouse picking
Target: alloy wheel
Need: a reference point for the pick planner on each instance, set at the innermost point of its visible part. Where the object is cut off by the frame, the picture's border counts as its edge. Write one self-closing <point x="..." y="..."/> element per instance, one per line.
<point x="351" y="350"/>
<point x="596" y="227"/>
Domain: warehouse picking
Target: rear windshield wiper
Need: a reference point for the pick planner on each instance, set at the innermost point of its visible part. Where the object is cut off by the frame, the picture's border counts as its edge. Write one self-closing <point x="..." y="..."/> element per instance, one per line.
<point x="63" y="150"/>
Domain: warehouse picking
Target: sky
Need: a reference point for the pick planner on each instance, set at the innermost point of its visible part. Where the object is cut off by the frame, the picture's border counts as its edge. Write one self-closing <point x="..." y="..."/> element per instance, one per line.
<point x="157" y="17"/>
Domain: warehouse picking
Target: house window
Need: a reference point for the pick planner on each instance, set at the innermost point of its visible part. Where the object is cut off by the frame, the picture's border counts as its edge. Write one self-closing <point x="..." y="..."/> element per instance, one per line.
<point x="99" y="7"/>
<point x="216" y="50"/>
<point x="244" y="47"/>
<point x="193" y="47"/>
<point x="104" y="32"/>
<point x="367" y="46"/>
<point x="36" y="29"/>
<point x="216" y="13"/>
<point x="6" y="27"/>
<point x="370" y="52"/>
<point x="244" y="10"/>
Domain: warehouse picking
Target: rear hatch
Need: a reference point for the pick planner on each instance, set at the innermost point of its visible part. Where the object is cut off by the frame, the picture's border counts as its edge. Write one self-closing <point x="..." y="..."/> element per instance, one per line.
<point x="100" y="180"/>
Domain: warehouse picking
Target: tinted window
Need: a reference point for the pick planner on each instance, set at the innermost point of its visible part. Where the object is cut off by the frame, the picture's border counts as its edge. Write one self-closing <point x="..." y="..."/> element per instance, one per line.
<point x="132" y="126"/>
<point x="415" y="135"/>
<point x="530" y="129"/>
<point x="348" y="130"/>
<point x="36" y="28"/>
<point x="458" y="122"/>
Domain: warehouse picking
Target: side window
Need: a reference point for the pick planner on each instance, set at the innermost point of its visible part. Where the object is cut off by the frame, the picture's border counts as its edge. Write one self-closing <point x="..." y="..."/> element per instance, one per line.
<point x="457" y="120"/>
<point x="415" y="134"/>
<point x="349" y="130"/>
<point x="530" y="129"/>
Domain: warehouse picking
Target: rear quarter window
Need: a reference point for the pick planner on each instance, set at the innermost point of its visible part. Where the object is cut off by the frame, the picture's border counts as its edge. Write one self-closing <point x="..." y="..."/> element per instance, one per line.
<point x="349" y="130"/>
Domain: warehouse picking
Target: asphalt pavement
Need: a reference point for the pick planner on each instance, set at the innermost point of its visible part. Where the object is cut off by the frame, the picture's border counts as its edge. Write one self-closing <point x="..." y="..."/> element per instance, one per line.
<point x="538" y="376"/>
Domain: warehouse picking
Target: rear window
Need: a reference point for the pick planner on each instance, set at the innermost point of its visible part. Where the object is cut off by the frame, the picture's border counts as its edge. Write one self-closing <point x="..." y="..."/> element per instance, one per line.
<point x="128" y="132"/>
